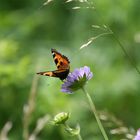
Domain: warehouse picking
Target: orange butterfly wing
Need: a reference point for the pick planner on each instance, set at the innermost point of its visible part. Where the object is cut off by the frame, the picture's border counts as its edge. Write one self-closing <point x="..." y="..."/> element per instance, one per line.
<point x="62" y="63"/>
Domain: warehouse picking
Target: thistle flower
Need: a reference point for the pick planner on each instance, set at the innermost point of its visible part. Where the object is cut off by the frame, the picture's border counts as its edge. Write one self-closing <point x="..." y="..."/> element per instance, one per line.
<point x="77" y="79"/>
<point x="137" y="137"/>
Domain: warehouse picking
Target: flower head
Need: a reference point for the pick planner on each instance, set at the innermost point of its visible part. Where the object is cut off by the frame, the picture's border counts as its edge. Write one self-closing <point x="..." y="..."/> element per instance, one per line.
<point x="137" y="137"/>
<point x="77" y="79"/>
<point x="61" y="118"/>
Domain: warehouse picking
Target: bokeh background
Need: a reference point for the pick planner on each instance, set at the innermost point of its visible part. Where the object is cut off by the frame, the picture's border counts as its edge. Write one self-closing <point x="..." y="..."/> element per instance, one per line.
<point x="28" y="31"/>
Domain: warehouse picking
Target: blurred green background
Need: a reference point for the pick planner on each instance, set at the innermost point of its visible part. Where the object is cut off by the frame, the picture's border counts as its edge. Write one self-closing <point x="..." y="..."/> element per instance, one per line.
<point x="28" y="30"/>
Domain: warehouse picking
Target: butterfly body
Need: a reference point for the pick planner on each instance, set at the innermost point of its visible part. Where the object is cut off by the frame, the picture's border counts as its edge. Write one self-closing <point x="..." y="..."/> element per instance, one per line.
<point x="62" y="63"/>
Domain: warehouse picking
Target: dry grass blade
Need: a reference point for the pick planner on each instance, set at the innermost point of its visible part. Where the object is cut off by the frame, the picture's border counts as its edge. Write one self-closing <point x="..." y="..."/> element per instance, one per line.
<point x="68" y="1"/>
<point x="29" y="108"/>
<point x="40" y="125"/>
<point x="76" y="7"/>
<point x="92" y="39"/>
<point x="86" y="44"/>
<point x="83" y="1"/>
<point x="5" y="130"/>
<point x="96" y="26"/>
<point x="47" y="2"/>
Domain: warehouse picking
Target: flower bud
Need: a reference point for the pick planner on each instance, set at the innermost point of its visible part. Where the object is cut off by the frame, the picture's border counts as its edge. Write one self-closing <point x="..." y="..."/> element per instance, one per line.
<point x="61" y="118"/>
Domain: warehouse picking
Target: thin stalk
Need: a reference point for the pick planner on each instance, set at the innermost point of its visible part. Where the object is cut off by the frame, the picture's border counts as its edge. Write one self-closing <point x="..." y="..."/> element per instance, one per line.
<point x="123" y="49"/>
<point x="79" y="137"/>
<point x="69" y="128"/>
<point x="91" y="103"/>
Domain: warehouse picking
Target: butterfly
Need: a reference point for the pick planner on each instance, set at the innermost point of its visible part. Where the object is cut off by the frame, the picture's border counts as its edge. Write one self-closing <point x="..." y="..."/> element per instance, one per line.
<point x="63" y="66"/>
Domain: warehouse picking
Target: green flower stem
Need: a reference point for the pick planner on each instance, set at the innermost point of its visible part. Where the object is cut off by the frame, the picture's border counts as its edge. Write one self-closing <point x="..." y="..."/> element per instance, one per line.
<point x="79" y="137"/>
<point x="95" y="113"/>
<point x="68" y="128"/>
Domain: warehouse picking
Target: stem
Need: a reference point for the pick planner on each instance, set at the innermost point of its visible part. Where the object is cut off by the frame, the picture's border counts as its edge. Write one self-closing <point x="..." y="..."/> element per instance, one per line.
<point x="79" y="137"/>
<point x="123" y="49"/>
<point x="91" y="103"/>
<point x="69" y="128"/>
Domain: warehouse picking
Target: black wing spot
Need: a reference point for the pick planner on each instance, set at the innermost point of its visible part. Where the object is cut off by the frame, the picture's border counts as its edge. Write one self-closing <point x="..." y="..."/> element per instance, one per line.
<point x="56" y="61"/>
<point x="61" y="63"/>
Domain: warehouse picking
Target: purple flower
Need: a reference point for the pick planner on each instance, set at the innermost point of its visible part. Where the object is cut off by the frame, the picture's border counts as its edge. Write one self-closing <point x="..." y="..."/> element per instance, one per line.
<point x="76" y="79"/>
<point x="137" y="137"/>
